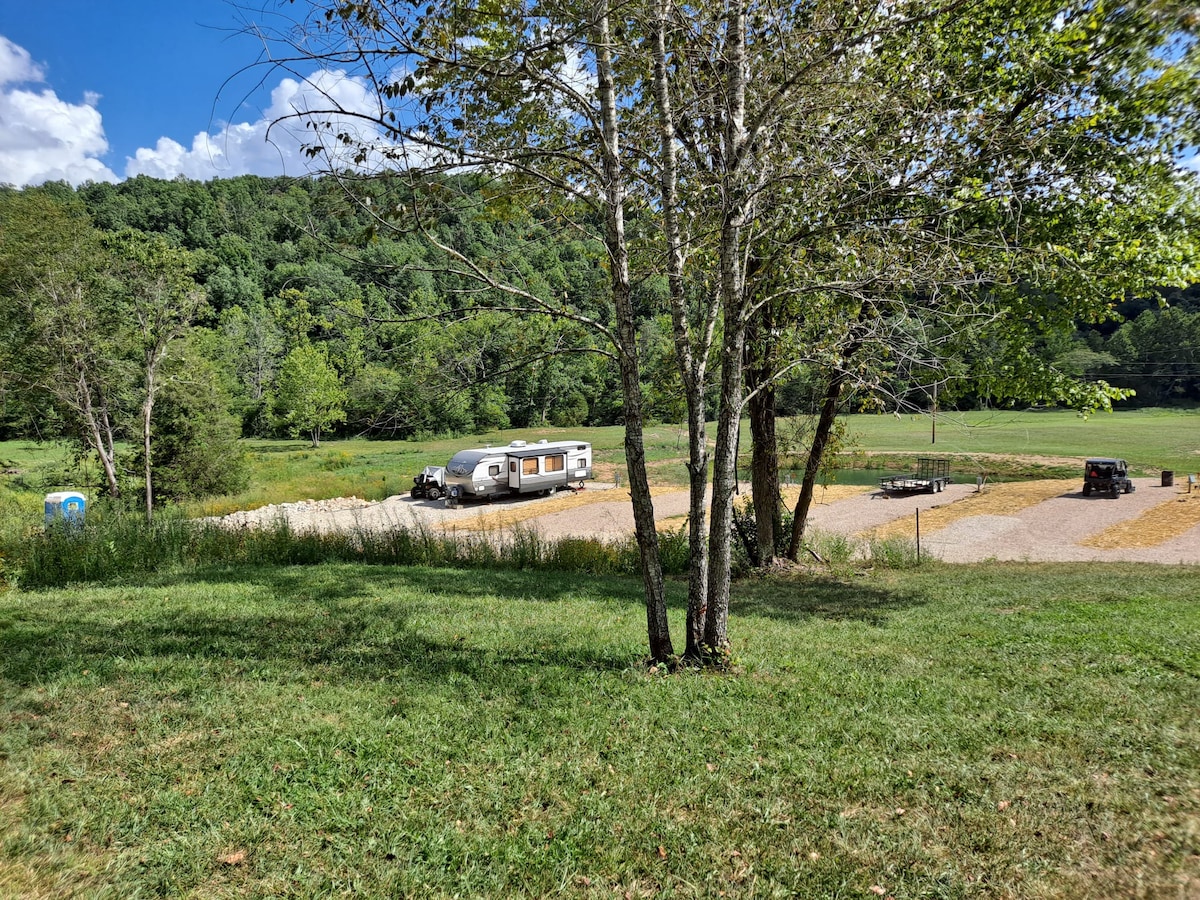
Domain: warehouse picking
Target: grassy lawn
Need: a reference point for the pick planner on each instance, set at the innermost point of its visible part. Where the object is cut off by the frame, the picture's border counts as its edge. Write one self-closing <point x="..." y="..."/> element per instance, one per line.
<point x="986" y="731"/>
<point x="1150" y="439"/>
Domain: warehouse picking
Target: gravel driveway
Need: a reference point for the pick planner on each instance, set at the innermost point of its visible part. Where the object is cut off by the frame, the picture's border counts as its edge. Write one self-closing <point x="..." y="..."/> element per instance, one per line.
<point x="1048" y="531"/>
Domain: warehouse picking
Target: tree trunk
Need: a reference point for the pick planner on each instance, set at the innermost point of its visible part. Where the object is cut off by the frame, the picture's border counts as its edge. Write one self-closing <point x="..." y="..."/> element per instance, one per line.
<point x="716" y="625"/>
<point x="96" y="429"/>
<point x="657" y="628"/>
<point x="733" y="299"/>
<point x="764" y="451"/>
<point x="147" y="411"/>
<point x="691" y="350"/>
<point x="829" y="410"/>
<point x="816" y="455"/>
<point x="764" y="470"/>
<point x="698" y="532"/>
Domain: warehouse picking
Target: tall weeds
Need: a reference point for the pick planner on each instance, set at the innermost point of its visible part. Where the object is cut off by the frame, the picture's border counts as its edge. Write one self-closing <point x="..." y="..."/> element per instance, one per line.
<point x="125" y="545"/>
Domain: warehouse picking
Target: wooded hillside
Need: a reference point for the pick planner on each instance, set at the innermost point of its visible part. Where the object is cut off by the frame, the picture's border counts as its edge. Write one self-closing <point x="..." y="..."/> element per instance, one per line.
<point x="286" y="263"/>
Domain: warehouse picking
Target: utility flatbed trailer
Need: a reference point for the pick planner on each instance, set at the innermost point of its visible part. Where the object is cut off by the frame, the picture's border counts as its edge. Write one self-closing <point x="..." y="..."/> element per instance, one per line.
<point x="932" y="475"/>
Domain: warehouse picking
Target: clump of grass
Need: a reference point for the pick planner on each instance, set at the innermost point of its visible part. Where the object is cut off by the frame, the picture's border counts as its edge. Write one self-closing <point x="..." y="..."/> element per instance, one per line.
<point x="673" y="549"/>
<point x="893" y="553"/>
<point x="336" y="459"/>
<point x="833" y="548"/>
<point x="586" y="555"/>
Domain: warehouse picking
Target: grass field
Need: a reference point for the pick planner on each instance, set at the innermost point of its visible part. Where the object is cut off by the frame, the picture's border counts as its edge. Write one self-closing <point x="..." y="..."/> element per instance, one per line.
<point x="986" y="731"/>
<point x="1150" y="439"/>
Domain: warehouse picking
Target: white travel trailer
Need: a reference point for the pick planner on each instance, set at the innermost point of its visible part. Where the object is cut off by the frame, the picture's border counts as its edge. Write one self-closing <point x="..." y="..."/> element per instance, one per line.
<point x="519" y="468"/>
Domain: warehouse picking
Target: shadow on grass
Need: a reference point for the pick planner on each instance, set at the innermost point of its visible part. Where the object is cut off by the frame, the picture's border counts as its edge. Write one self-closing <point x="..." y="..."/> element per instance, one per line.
<point x="371" y="624"/>
<point x="344" y="621"/>
<point x="797" y="599"/>
<point x="334" y="581"/>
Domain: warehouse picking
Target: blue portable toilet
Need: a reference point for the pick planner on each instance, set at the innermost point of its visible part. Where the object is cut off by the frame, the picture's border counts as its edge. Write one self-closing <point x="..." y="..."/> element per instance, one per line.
<point x="69" y="506"/>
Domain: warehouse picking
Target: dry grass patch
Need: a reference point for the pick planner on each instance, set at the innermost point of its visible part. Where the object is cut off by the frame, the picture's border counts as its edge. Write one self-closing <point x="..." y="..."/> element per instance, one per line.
<point x="497" y="518"/>
<point x="825" y="493"/>
<point x="998" y="499"/>
<point x="790" y="494"/>
<point x="1155" y="526"/>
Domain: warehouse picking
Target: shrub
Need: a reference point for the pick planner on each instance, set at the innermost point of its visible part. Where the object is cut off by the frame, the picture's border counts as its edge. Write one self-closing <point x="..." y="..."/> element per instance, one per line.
<point x="835" y="549"/>
<point x="893" y="553"/>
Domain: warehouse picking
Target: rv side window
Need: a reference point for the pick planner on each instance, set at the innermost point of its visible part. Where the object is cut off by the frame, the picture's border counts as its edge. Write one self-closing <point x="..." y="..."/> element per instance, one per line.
<point x="529" y="466"/>
<point x="555" y="463"/>
<point x="493" y="471"/>
<point x="512" y="465"/>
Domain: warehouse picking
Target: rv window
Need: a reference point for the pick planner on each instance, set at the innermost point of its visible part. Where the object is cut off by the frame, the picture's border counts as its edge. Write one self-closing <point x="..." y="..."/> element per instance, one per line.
<point x="529" y="466"/>
<point x="555" y="463"/>
<point x="512" y="465"/>
<point x="493" y="471"/>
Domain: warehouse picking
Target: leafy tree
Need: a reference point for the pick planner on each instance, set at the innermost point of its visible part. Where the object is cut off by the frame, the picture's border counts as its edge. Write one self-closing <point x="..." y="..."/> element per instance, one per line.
<point x="66" y="334"/>
<point x="197" y="451"/>
<point x="1001" y="172"/>
<point x="309" y="396"/>
<point x="253" y="345"/>
<point x="164" y="301"/>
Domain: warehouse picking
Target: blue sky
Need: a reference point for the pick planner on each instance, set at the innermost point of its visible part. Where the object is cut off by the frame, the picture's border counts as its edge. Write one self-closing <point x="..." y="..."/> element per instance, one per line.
<point x="103" y="90"/>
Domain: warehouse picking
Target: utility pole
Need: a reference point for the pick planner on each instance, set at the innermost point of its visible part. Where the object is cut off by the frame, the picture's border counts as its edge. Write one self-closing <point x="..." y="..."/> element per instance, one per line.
<point x="933" y="417"/>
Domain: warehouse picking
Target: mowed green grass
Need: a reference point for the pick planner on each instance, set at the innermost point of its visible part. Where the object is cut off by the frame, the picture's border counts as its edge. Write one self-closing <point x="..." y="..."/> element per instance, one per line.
<point x="986" y="731"/>
<point x="1150" y="439"/>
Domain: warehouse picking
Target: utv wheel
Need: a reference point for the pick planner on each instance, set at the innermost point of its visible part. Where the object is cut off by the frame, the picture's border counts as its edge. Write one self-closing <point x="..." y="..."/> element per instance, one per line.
<point x="1087" y="489"/>
<point x="435" y="494"/>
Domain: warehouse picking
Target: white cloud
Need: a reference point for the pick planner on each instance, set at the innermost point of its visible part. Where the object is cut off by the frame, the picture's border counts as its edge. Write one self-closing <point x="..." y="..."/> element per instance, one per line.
<point x="16" y="65"/>
<point x="43" y="138"/>
<point x="263" y="148"/>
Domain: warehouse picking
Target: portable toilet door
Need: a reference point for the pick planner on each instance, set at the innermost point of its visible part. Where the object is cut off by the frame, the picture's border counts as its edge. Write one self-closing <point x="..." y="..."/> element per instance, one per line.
<point x="68" y="506"/>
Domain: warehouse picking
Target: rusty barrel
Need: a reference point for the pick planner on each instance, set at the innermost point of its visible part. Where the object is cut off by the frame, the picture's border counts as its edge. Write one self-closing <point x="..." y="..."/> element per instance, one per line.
<point x="1168" y="478"/>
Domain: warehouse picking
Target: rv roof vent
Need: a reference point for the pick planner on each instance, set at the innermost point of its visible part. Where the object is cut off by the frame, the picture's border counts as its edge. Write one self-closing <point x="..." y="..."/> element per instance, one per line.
<point x="517" y="444"/>
<point x="542" y="441"/>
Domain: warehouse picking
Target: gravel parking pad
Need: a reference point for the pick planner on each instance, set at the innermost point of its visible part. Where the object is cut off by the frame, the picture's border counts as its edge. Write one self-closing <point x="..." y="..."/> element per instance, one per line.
<point x="1049" y="531"/>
